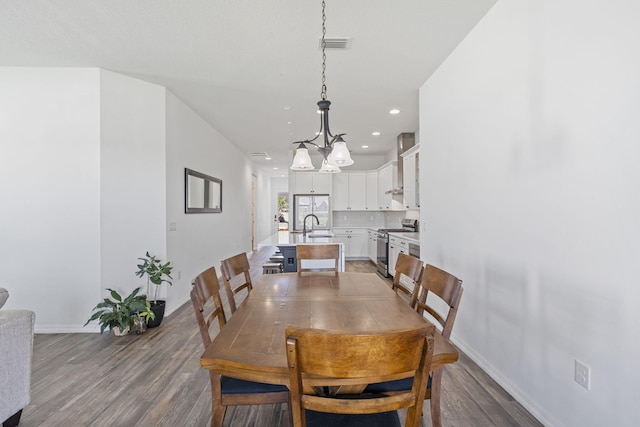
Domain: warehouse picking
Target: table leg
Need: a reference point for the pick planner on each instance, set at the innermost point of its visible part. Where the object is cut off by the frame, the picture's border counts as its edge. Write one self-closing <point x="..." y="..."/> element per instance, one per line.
<point x="436" y="382"/>
<point x="217" y="408"/>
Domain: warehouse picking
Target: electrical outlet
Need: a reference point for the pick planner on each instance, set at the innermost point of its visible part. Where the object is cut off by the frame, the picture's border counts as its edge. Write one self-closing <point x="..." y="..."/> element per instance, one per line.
<point x="179" y="274"/>
<point x="583" y="374"/>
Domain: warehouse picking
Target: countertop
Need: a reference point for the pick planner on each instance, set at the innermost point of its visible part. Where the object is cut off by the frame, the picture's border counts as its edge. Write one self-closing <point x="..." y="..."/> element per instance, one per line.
<point x="411" y="237"/>
<point x="286" y="238"/>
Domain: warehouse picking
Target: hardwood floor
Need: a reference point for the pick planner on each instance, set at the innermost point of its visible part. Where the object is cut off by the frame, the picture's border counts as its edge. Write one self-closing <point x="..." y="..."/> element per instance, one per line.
<point x="155" y="379"/>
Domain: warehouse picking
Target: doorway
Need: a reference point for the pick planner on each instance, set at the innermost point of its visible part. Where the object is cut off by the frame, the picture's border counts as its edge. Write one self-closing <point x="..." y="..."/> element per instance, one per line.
<point x="282" y="209"/>
<point x="253" y="212"/>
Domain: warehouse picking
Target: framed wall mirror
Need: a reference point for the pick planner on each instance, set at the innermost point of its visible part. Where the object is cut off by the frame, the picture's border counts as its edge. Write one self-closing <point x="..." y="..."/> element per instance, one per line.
<point x="202" y="193"/>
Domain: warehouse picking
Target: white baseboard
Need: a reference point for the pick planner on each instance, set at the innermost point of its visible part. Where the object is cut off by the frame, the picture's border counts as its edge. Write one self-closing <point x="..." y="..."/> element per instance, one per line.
<point x="66" y="329"/>
<point x="520" y="396"/>
<point x="93" y="328"/>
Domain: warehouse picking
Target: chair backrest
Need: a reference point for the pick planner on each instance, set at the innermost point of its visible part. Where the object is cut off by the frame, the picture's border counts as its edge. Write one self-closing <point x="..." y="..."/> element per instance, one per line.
<point x="330" y="251"/>
<point x="412" y="268"/>
<point x="447" y="287"/>
<point x="329" y="359"/>
<point x="232" y="268"/>
<point x="205" y="297"/>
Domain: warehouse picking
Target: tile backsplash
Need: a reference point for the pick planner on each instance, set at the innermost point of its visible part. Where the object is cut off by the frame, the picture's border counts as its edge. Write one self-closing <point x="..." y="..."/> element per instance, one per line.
<point x="373" y="219"/>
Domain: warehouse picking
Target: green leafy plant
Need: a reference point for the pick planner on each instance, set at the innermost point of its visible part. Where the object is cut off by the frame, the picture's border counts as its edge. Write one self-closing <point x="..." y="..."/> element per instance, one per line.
<point x="156" y="273"/>
<point x="116" y="312"/>
<point x="283" y="204"/>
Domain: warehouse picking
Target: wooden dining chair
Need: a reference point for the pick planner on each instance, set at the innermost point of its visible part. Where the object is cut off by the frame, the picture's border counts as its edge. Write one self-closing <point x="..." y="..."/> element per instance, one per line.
<point x="236" y="270"/>
<point x="226" y="391"/>
<point x="448" y="290"/>
<point x="410" y="267"/>
<point x="321" y="252"/>
<point x="321" y="360"/>
<point x="205" y="298"/>
<point x="445" y="288"/>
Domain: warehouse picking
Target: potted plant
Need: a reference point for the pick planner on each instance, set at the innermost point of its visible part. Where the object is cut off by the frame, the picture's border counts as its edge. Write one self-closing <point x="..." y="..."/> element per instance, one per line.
<point x="120" y="314"/>
<point x="157" y="273"/>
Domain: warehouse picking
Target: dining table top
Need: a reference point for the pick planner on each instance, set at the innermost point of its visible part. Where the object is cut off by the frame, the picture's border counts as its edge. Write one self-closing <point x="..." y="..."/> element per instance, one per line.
<point x="251" y="345"/>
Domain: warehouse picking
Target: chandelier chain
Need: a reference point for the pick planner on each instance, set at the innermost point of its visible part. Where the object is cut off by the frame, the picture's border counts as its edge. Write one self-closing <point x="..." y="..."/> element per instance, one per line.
<point x="323" y="91"/>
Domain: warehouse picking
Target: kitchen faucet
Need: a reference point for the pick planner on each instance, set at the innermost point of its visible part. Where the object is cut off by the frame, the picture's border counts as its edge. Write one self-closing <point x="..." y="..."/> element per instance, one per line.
<point x="304" y="223"/>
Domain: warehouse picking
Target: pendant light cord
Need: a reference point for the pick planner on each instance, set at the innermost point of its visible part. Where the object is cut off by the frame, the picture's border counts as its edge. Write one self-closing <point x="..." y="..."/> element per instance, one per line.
<point x="323" y="91"/>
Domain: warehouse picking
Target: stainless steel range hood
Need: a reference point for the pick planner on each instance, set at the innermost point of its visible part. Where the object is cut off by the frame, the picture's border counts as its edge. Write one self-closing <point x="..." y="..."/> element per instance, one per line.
<point x="404" y="142"/>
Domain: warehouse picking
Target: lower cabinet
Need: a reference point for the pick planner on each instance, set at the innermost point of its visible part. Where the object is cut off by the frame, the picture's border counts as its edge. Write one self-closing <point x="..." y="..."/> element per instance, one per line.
<point x="372" y="246"/>
<point x="354" y="240"/>
<point x="396" y="246"/>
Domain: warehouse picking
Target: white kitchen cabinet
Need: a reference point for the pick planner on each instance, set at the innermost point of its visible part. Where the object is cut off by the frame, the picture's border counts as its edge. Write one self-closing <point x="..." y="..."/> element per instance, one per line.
<point x="372" y="191"/>
<point x="385" y="183"/>
<point x="397" y="245"/>
<point x="410" y="178"/>
<point x="372" y="246"/>
<point x="340" y="192"/>
<point x="357" y="190"/>
<point x="311" y="183"/>
<point x="354" y="240"/>
<point x="349" y="191"/>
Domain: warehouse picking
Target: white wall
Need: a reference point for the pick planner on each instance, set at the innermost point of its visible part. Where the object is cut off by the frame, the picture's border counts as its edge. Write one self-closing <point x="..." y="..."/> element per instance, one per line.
<point x="50" y="192"/>
<point x="203" y="240"/>
<point x="91" y="174"/>
<point x="529" y="182"/>
<point x="133" y="182"/>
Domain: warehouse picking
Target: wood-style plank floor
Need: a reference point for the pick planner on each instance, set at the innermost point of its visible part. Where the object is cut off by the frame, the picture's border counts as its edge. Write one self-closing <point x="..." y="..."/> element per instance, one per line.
<point x="155" y="379"/>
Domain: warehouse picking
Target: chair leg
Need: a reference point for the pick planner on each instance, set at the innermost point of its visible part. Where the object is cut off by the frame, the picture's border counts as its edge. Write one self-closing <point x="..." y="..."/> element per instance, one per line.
<point x="13" y="420"/>
<point x="436" y="382"/>
<point x="217" y="408"/>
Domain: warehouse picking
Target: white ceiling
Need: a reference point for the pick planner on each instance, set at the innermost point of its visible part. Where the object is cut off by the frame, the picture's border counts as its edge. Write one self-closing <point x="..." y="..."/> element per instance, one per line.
<point x="239" y="62"/>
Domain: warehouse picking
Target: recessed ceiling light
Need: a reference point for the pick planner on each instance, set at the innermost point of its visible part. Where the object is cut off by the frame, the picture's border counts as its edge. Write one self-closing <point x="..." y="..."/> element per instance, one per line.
<point x="394" y="111"/>
<point x="289" y="122"/>
<point x="287" y="107"/>
<point x="375" y="133"/>
<point x="365" y="146"/>
<point x="275" y="169"/>
<point x="267" y="158"/>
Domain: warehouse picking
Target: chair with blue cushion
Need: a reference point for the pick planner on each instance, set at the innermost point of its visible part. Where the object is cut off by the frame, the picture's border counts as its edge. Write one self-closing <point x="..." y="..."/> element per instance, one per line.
<point x="445" y="291"/>
<point x="318" y="252"/>
<point x="322" y="364"/>
<point x="410" y="267"/>
<point x="235" y="268"/>
<point x="205" y="297"/>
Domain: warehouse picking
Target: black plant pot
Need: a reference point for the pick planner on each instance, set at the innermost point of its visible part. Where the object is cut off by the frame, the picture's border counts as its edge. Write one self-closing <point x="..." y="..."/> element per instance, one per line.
<point x="157" y="307"/>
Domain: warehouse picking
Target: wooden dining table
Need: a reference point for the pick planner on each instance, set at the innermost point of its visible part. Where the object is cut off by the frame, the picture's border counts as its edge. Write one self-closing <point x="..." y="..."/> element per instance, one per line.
<point x="251" y="346"/>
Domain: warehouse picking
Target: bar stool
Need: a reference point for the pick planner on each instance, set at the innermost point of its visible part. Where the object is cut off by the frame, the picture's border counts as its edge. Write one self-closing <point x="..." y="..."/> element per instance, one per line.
<point x="277" y="258"/>
<point x="271" y="268"/>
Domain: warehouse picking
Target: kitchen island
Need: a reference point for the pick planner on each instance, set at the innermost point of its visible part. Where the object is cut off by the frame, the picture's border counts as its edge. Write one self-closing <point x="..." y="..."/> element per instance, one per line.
<point x="287" y="242"/>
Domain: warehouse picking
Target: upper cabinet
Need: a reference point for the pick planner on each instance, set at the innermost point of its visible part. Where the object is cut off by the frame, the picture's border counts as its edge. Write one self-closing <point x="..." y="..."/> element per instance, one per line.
<point x="349" y="191"/>
<point x="386" y="182"/>
<point x="411" y="177"/>
<point x="310" y="182"/>
<point x="372" y="191"/>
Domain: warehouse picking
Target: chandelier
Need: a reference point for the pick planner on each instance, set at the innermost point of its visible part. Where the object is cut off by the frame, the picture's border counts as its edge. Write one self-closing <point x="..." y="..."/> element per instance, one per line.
<point x="333" y="149"/>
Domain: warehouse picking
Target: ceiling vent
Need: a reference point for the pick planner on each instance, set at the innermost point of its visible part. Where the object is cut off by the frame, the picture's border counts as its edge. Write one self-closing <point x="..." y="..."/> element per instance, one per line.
<point x="258" y="154"/>
<point x="335" y="42"/>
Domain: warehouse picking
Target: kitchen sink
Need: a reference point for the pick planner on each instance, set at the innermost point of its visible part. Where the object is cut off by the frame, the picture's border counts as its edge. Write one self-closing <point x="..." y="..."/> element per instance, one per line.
<point x="315" y="234"/>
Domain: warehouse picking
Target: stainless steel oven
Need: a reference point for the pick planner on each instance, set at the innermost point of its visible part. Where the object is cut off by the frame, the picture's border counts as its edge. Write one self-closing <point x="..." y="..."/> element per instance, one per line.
<point x="408" y="226"/>
<point x="383" y="252"/>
